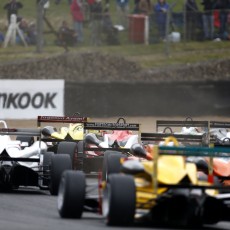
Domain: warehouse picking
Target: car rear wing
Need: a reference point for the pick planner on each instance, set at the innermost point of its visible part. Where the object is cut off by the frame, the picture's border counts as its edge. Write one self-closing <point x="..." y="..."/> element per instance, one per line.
<point x="187" y="139"/>
<point x="111" y="126"/>
<point x="61" y="119"/>
<point x="20" y="159"/>
<point x="169" y="125"/>
<point x="219" y="125"/>
<point x="20" y="132"/>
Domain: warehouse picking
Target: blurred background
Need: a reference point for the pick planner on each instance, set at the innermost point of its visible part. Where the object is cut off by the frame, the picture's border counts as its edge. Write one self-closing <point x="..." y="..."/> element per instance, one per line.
<point x="146" y="28"/>
<point x="171" y="56"/>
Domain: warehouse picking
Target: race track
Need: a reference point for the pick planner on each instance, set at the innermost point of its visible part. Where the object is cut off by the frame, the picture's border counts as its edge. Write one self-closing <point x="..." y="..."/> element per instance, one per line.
<point x="28" y="209"/>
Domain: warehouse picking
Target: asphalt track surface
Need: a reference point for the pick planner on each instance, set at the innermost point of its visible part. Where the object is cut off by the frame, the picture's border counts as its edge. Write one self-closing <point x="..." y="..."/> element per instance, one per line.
<point x="35" y="209"/>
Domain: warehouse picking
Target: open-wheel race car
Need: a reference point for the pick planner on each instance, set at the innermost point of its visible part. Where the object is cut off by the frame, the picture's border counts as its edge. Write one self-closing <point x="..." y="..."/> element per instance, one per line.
<point x="197" y="133"/>
<point x="25" y="161"/>
<point x="168" y="188"/>
<point x="165" y="191"/>
<point x="103" y="138"/>
<point x="187" y="126"/>
<point x="88" y="142"/>
<point x="219" y="137"/>
<point x="220" y="133"/>
<point x="63" y="135"/>
<point x="111" y="162"/>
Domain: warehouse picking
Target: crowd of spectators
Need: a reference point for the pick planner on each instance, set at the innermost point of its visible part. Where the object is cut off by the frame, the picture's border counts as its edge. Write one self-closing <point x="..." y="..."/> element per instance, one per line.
<point x="209" y="23"/>
<point x="212" y="21"/>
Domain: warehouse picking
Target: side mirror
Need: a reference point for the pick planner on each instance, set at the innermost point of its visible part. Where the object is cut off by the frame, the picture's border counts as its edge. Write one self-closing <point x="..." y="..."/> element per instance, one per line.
<point x="48" y="130"/>
<point x="138" y="150"/>
<point x="91" y="138"/>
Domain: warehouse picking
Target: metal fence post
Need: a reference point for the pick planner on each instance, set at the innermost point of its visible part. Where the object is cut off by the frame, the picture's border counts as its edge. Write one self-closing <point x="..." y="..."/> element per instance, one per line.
<point x="40" y="11"/>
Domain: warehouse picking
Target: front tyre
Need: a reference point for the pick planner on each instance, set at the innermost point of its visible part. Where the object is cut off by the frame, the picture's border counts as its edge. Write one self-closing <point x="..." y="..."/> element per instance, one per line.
<point x="71" y="194"/>
<point x="67" y="147"/>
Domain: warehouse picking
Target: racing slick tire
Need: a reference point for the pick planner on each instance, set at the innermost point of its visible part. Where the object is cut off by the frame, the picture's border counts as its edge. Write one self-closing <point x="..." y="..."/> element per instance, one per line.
<point x="71" y="194"/>
<point x="79" y="156"/>
<point x="59" y="163"/>
<point x="46" y="164"/>
<point x="67" y="147"/>
<point x="119" y="200"/>
<point x="111" y="163"/>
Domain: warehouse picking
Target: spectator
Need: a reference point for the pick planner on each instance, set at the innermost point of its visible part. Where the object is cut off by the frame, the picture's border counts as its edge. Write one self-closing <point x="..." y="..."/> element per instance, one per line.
<point x="110" y="31"/>
<point x="122" y="7"/>
<point x="66" y="35"/>
<point x="58" y="1"/>
<point x="32" y="34"/>
<point x="192" y="11"/>
<point x="161" y="9"/>
<point x="2" y="38"/>
<point x="208" y="19"/>
<point x="223" y="7"/>
<point x="76" y="9"/>
<point x="96" y="22"/>
<point x="135" y="10"/>
<point x="23" y="27"/>
<point x="143" y="7"/>
<point x="28" y="32"/>
<point x="12" y="8"/>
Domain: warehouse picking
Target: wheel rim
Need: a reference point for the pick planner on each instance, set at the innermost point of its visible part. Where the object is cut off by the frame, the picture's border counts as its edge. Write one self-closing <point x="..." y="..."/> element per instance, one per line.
<point x="61" y="194"/>
<point x="106" y="201"/>
<point x="106" y="175"/>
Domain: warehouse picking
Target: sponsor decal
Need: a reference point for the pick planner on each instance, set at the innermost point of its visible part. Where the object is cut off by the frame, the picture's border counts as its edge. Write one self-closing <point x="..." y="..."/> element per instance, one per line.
<point x="62" y="119"/>
<point x="118" y="126"/>
<point x="26" y="99"/>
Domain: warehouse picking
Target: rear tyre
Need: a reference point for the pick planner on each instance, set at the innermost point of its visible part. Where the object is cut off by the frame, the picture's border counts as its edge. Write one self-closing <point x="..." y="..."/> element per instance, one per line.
<point x="79" y="156"/>
<point x="46" y="167"/>
<point x="71" y="194"/>
<point x="66" y="147"/>
<point x="111" y="163"/>
<point x="119" y="200"/>
<point x="59" y="163"/>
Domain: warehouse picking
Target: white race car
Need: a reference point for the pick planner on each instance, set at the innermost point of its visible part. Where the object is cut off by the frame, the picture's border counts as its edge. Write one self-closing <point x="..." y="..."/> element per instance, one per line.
<point x="25" y="161"/>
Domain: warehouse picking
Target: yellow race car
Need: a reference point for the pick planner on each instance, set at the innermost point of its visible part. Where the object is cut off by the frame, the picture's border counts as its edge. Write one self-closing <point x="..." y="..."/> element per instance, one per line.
<point x="166" y="190"/>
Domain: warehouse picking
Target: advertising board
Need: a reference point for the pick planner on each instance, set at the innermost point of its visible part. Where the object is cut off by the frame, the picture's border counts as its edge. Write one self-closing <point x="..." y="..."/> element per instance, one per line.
<point x="27" y="99"/>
